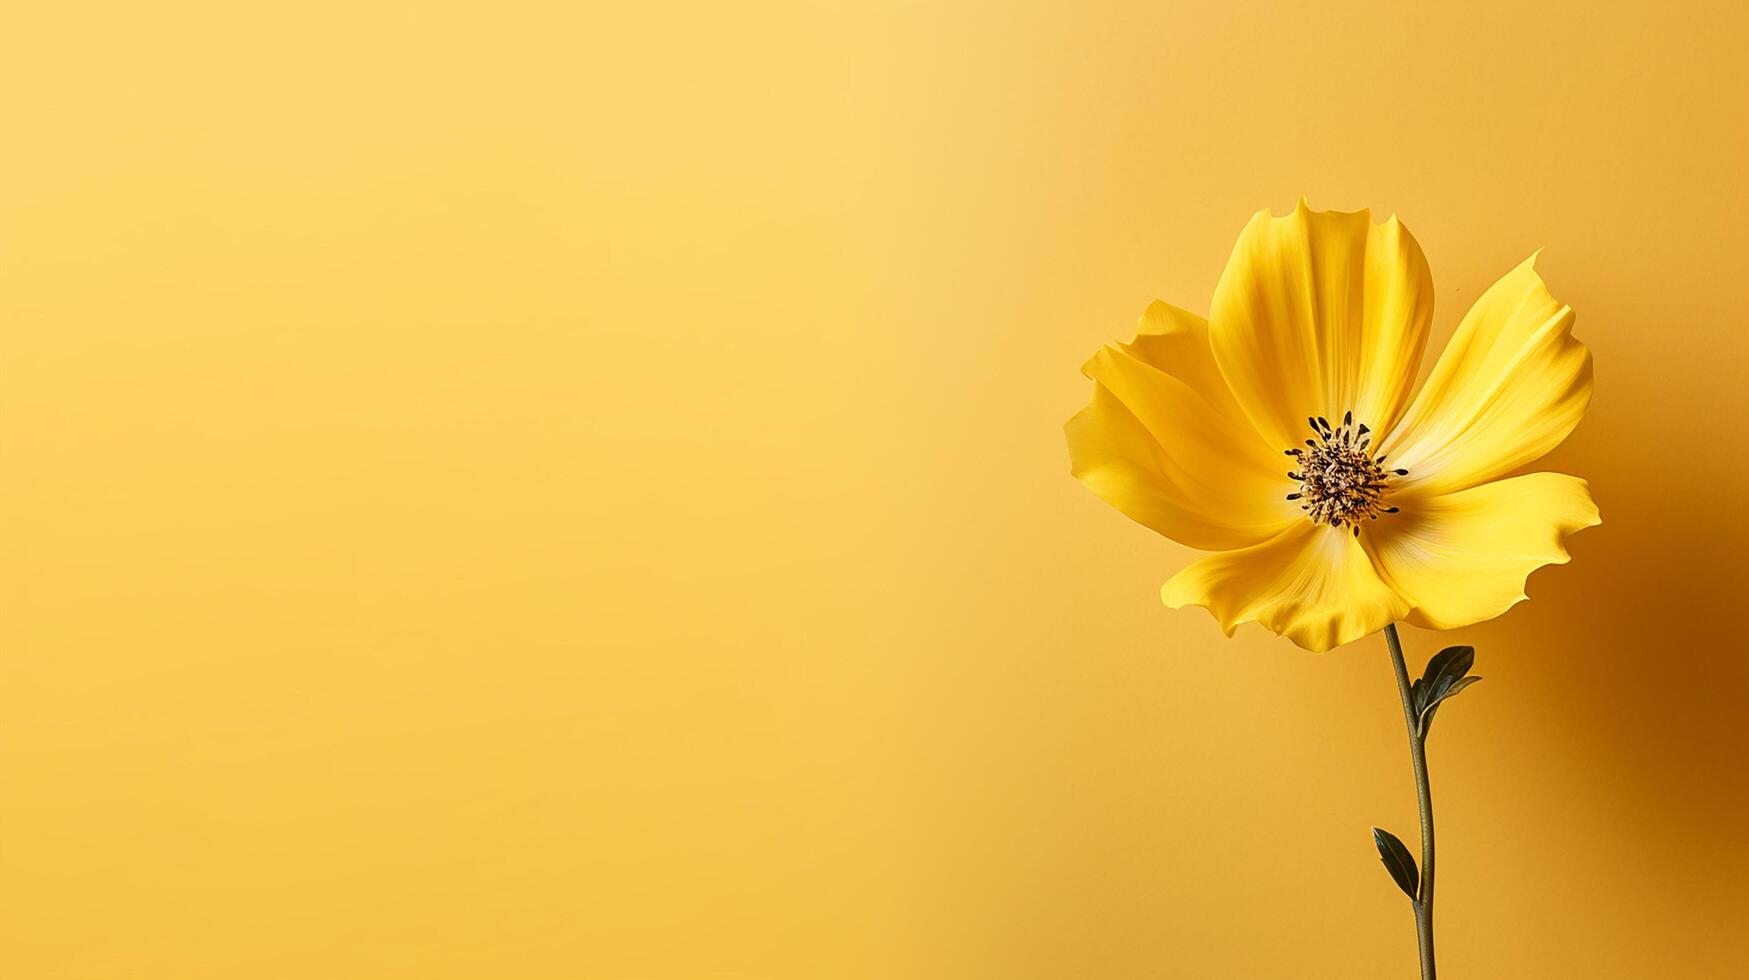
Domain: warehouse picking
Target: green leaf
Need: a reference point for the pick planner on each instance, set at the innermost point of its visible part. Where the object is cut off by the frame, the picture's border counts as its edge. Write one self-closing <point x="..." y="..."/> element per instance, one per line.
<point x="1444" y="670"/>
<point x="1398" y="862"/>
<point x="1450" y="691"/>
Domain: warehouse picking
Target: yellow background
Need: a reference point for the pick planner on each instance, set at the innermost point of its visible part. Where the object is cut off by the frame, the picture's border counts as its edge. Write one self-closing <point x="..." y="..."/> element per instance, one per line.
<point x="577" y="492"/>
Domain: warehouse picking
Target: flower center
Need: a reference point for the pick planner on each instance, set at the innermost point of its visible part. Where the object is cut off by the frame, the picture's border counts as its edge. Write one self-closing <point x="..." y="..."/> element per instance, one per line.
<point x="1339" y="482"/>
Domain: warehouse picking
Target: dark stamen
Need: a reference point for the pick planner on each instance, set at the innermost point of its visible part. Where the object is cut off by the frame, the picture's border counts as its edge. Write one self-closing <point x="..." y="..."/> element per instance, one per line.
<point x="1339" y="484"/>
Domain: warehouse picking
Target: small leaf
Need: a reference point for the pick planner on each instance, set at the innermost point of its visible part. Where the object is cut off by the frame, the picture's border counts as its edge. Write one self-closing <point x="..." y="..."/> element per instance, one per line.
<point x="1450" y="691"/>
<point x="1397" y="861"/>
<point x="1452" y="663"/>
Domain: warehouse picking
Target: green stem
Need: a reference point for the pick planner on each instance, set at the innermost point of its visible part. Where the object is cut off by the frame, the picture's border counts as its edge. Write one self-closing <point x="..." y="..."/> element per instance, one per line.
<point x="1418" y="757"/>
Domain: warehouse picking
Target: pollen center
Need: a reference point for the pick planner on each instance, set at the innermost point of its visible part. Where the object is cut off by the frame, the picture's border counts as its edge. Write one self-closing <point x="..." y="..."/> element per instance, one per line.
<point x="1339" y="482"/>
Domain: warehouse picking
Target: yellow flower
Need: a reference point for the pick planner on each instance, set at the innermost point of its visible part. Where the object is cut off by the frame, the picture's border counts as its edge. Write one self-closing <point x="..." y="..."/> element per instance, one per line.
<point x="1281" y="434"/>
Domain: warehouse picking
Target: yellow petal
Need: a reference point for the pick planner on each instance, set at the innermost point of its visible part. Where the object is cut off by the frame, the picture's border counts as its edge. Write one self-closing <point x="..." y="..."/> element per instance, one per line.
<point x="1321" y="313"/>
<point x="1149" y="447"/>
<point x="1177" y="341"/>
<point x="1462" y="558"/>
<point x="1159" y="450"/>
<point x="1312" y="583"/>
<point x="1511" y="385"/>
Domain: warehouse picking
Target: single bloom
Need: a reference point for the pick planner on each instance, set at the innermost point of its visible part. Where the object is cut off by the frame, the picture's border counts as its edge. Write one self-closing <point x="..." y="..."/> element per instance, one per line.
<point x="1285" y="435"/>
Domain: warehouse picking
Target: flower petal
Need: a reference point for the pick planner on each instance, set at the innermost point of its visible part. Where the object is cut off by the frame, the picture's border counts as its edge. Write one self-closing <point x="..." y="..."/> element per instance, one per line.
<point x="1463" y="557"/>
<point x="1154" y="443"/>
<point x="1320" y="313"/>
<point x="1169" y="378"/>
<point x="1177" y="341"/>
<point x="1508" y="388"/>
<point x="1312" y="583"/>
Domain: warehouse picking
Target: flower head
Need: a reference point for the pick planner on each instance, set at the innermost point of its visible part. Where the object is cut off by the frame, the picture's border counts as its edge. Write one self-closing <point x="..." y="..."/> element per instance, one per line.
<point x="1285" y="435"/>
